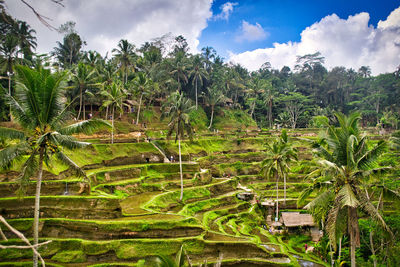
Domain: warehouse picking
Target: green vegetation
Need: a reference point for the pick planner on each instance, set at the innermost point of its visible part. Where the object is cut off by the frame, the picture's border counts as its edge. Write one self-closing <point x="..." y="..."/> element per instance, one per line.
<point x="215" y="204"/>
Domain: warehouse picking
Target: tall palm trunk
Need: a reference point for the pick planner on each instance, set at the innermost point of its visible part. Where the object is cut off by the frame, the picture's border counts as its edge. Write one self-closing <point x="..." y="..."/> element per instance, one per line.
<point x="277" y="196"/>
<point x="284" y="189"/>
<point x="106" y="113"/>
<point x="270" y="114"/>
<point x="9" y="92"/>
<point x="138" y="111"/>
<point x="84" y="108"/>
<point x="354" y="233"/>
<point x="112" y="125"/>
<point x="212" y="116"/>
<point x="80" y="102"/>
<point x="196" y="93"/>
<point x="252" y="108"/>
<point x="180" y="167"/>
<point x="37" y="205"/>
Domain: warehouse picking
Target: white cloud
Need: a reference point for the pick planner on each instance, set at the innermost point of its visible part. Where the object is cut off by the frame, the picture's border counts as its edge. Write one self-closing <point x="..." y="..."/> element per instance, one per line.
<point x="250" y="32"/>
<point x="226" y="11"/>
<point x="350" y="42"/>
<point x="102" y="23"/>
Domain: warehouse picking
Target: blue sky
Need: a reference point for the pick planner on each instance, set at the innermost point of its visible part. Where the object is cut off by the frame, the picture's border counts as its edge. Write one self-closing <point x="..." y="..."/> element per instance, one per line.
<point x="249" y="33"/>
<point x="282" y="20"/>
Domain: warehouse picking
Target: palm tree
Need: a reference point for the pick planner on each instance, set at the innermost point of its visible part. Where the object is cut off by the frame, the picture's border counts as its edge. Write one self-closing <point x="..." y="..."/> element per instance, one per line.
<point x="68" y="52"/>
<point x="114" y="95"/>
<point x="276" y="164"/>
<point x="256" y="87"/>
<point x="125" y="56"/>
<point x="8" y="51"/>
<point x="208" y="53"/>
<point x="83" y="78"/>
<point x="26" y="38"/>
<point x="269" y="95"/>
<point x="345" y="161"/>
<point x="38" y="107"/>
<point x="214" y="97"/>
<point x="198" y="73"/>
<point x="178" y="108"/>
<point x="143" y="86"/>
<point x="179" y="66"/>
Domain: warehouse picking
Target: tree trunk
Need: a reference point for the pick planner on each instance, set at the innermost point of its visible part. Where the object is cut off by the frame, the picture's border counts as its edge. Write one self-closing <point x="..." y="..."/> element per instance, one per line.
<point x="138" y="111"/>
<point x="106" y="113"/>
<point x="270" y="114"/>
<point x="84" y="108"/>
<point x="284" y="189"/>
<point x="9" y="92"/>
<point x="252" y="108"/>
<point x="340" y="249"/>
<point x="371" y="242"/>
<point x="80" y="103"/>
<point x="277" y="197"/>
<point x="212" y="116"/>
<point x="196" y="93"/>
<point x="331" y="253"/>
<point x="180" y="168"/>
<point x="112" y="125"/>
<point x="37" y="206"/>
<point x="354" y="233"/>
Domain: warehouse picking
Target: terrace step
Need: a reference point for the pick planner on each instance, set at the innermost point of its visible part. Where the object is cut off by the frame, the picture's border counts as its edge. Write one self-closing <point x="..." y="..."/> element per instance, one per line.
<point x="127" y="228"/>
<point x="78" y="207"/>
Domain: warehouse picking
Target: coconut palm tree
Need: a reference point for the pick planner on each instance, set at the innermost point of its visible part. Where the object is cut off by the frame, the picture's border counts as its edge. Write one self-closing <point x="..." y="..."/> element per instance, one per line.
<point x="179" y="68"/>
<point x="178" y="108"/>
<point x="68" y="53"/>
<point x="269" y="96"/>
<point x="83" y="78"/>
<point x="345" y="162"/>
<point x="198" y="74"/>
<point x="8" y="52"/>
<point x="26" y="38"/>
<point x="38" y="107"/>
<point x="114" y="95"/>
<point x="125" y="57"/>
<point x="214" y="98"/>
<point x="276" y="164"/>
<point x="143" y="86"/>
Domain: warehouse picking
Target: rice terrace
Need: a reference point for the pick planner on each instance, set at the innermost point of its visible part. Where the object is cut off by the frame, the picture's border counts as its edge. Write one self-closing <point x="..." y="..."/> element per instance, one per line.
<point x="126" y="139"/>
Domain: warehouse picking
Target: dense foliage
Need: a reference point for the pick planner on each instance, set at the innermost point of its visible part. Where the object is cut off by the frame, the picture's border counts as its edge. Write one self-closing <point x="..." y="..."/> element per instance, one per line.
<point x="151" y="72"/>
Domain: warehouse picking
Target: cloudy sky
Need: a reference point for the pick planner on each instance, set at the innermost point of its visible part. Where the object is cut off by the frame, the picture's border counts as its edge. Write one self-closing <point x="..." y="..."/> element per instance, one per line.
<point x="249" y="32"/>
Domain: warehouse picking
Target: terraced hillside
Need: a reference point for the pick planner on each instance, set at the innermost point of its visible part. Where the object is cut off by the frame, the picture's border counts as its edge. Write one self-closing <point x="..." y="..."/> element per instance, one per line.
<point x="131" y="211"/>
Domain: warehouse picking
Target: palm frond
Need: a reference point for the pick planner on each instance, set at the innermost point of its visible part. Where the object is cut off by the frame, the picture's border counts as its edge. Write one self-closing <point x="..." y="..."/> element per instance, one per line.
<point x="369" y="208"/>
<point x="18" y="112"/>
<point x="28" y="170"/>
<point x="67" y="141"/>
<point x="332" y="221"/>
<point x="347" y="197"/>
<point x="78" y="171"/>
<point x="304" y="195"/>
<point x="8" y="133"/>
<point x="12" y="153"/>
<point x="370" y="157"/>
<point x="322" y="200"/>
<point x="180" y="257"/>
<point x="86" y="127"/>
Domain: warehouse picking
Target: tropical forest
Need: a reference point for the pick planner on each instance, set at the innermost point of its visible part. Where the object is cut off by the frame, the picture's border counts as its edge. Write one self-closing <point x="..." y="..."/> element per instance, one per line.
<point x="157" y="155"/>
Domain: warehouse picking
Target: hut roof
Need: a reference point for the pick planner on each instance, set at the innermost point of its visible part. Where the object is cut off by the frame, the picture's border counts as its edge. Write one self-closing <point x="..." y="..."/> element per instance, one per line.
<point x="295" y="219"/>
